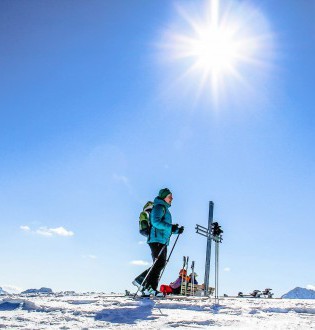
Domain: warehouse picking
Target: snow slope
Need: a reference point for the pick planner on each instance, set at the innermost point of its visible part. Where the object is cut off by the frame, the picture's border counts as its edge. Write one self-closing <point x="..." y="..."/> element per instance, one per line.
<point x="100" y="311"/>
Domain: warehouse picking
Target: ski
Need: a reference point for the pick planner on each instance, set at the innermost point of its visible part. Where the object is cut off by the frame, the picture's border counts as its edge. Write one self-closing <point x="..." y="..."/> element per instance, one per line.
<point x="186" y="282"/>
<point x="183" y="287"/>
<point x="183" y="276"/>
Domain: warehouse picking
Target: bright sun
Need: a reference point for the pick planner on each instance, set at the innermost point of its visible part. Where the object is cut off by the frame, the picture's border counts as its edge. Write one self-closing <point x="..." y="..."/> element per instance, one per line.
<point x="219" y="43"/>
<point x="214" y="50"/>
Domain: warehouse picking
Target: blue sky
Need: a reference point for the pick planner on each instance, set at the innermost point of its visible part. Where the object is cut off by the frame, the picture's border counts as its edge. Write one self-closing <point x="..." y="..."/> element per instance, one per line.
<point x="98" y="111"/>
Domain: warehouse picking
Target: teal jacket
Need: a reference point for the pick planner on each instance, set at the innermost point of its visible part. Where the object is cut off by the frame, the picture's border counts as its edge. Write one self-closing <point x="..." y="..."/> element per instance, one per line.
<point x="161" y="222"/>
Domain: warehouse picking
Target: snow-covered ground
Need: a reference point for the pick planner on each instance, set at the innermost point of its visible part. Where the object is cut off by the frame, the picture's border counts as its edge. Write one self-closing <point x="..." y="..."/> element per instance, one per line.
<point x="101" y="311"/>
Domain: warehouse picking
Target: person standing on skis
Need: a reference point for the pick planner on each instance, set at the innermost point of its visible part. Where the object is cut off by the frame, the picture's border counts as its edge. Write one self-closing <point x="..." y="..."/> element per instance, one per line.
<point x="161" y="230"/>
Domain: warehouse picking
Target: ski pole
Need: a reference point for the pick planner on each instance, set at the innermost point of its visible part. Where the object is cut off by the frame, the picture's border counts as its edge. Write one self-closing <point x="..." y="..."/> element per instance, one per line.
<point x="150" y="269"/>
<point x="166" y="262"/>
<point x="216" y="297"/>
<point x="192" y="280"/>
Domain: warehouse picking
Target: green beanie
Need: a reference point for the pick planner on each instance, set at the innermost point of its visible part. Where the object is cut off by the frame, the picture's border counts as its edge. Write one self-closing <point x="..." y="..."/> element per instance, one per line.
<point x="164" y="192"/>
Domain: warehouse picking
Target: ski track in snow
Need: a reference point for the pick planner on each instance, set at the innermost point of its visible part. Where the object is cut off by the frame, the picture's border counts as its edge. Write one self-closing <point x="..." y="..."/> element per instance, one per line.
<point x="100" y="311"/>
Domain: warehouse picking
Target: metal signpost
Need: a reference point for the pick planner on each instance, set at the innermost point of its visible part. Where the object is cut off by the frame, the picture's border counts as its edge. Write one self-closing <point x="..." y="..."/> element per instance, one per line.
<point x="213" y="232"/>
<point x="207" y="233"/>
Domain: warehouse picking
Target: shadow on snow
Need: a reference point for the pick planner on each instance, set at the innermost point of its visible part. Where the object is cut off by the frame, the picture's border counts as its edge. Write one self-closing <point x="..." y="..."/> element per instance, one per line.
<point x="127" y="315"/>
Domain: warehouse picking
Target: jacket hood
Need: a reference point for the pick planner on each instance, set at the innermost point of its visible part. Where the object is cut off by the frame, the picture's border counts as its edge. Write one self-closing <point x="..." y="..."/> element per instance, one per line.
<point x="159" y="200"/>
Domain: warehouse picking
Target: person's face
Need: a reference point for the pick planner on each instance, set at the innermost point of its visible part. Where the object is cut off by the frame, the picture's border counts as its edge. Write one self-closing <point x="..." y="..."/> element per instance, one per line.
<point x="168" y="199"/>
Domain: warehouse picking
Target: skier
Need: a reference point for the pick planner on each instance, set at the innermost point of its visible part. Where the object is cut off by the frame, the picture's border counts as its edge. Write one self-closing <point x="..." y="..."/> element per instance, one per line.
<point x="160" y="233"/>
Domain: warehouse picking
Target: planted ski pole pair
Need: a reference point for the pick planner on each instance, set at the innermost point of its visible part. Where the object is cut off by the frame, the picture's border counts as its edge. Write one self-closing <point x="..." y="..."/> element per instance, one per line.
<point x="183" y="286"/>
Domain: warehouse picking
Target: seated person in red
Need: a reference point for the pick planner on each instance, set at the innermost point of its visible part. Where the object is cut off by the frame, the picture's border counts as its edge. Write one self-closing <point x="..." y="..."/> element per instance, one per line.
<point x="177" y="284"/>
<point x="174" y="287"/>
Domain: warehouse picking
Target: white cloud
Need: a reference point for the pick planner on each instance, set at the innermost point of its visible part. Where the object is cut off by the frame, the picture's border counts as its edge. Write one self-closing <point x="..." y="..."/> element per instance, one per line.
<point x="142" y="242"/>
<point x="25" y="228"/>
<point x="62" y="231"/>
<point x="227" y="269"/>
<point x="45" y="231"/>
<point x="139" y="263"/>
<point x="310" y="286"/>
<point x="59" y="231"/>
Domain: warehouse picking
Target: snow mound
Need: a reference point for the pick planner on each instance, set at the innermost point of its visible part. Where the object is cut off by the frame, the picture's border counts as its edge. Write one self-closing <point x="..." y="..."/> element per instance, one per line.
<point x="12" y="304"/>
<point x="288" y="310"/>
<point x="299" y="293"/>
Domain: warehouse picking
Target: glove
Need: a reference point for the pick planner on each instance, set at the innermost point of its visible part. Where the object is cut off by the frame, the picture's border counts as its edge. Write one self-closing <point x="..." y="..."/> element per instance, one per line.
<point x="174" y="228"/>
<point x="181" y="230"/>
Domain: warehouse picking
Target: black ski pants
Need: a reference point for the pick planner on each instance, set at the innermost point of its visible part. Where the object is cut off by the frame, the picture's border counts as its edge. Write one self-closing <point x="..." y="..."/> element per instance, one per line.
<point x="153" y="277"/>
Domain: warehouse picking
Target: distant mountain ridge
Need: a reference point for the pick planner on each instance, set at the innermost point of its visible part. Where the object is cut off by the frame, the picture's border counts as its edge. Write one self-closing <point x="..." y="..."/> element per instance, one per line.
<point x="41" y="290"/>
<point x="299" y="293"/>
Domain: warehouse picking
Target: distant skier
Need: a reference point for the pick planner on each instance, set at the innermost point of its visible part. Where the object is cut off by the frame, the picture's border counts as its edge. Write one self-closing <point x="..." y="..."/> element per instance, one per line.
<point x="191" y="276"/>
<point x="160" y="233"/>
